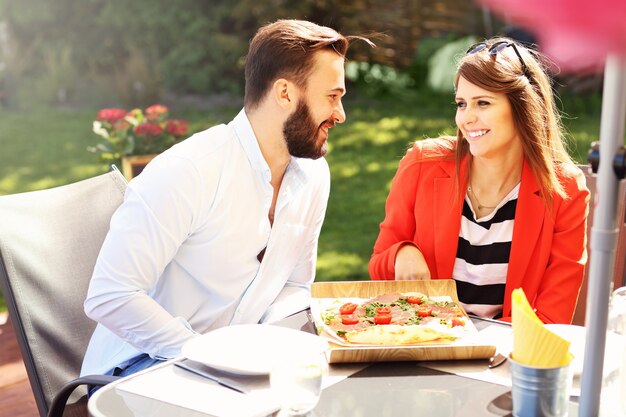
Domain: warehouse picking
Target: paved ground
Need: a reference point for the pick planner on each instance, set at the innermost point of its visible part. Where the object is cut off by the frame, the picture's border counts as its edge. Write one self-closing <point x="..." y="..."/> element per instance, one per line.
<point x="16" y="397"/>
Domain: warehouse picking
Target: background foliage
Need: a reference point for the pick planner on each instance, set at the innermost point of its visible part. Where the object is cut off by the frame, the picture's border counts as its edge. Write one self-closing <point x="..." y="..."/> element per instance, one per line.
<point x="60" y="61"/>
<point x="103" y="51"/>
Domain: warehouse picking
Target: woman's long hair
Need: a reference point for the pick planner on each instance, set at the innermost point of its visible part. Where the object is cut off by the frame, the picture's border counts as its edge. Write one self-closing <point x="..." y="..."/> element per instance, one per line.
<point x="535" y="114"/>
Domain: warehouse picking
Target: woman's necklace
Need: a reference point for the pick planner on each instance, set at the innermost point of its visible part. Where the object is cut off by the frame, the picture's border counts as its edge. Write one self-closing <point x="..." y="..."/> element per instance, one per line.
<point x="480" y="205"/>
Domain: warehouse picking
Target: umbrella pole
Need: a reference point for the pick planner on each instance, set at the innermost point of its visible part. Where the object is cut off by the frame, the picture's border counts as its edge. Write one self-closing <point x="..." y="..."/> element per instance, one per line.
<point x="603" y="234"/>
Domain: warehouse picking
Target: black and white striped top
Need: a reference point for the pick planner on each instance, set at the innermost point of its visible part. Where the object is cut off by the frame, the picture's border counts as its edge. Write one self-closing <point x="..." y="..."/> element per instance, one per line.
<point x="482" y="257"/>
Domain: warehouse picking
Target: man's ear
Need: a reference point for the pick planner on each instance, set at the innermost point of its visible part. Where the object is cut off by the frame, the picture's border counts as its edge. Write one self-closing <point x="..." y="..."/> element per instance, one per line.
<point x="284" y="93"/>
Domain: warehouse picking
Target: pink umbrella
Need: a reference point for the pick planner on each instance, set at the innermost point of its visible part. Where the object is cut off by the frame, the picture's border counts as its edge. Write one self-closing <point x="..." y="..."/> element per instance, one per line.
<point x="578" y="34"/>
<point x="583" y="35"/>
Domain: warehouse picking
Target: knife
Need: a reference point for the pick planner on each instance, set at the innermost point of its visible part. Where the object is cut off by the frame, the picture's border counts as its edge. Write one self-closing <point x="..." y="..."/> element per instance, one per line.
<point x="312" y="323"/>
<point x="225" y="382"/>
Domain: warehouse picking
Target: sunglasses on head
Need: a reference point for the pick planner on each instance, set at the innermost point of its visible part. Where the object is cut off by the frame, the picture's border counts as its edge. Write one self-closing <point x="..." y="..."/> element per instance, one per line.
<point x="497" y="47"/>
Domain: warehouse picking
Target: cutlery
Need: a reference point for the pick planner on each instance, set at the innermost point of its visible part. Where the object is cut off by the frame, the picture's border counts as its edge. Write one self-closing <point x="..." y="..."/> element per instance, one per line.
<point x="497" y="360"/>
<point x="474" y="316"/>
<point x="225" y="382"/>
<point x="312" y="322"/>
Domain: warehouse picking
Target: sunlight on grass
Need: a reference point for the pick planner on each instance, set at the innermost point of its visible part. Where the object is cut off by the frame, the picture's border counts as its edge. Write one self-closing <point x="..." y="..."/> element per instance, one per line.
<point x="44" y="183"/>
<point x="348" y="170"/>
<point x="340" y="266"/>
<point x="392" y="123"/>
<point x="88" y="170"/>
<point x="373" y="167"/>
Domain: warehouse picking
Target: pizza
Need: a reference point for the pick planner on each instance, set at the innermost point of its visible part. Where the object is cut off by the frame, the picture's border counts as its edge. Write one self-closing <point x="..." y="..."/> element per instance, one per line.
<point x="395" y="319"/>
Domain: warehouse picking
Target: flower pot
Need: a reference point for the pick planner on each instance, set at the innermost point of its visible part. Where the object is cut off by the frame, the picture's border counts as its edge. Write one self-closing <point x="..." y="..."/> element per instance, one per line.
<point x="132" y="165"/>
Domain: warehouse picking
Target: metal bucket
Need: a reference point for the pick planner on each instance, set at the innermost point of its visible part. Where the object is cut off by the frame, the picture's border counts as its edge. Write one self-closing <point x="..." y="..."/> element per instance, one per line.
<point x="540" y="392"/>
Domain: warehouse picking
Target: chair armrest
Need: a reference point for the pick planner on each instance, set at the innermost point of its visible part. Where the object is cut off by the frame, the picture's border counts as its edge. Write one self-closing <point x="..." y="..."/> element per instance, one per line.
<point x="60" y="399"/>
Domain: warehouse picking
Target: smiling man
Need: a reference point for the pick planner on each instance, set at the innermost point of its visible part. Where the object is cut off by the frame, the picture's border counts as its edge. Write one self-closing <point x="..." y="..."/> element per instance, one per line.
<point x="223" y="228"/>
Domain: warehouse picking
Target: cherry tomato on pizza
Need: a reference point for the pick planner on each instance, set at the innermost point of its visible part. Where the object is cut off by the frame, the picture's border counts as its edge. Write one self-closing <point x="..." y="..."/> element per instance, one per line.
<point x="382" y="319"/>
<point x="347" y="308"/>
<point x="349" y="319"/>
<point x="457" y="322"/>
<point x="413" y="299"/>
<point x="424" y="311"/>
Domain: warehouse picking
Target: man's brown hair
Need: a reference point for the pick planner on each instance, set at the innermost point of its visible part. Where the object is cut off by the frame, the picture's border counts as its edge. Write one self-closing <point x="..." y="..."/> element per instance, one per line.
<point x="284" y="49"/>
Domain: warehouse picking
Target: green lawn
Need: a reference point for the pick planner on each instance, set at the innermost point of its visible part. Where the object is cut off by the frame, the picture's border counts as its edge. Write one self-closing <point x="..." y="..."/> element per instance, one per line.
<point x="47" y="147"/>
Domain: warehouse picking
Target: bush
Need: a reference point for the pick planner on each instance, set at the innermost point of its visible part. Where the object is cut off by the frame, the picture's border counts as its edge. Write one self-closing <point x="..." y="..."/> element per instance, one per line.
<point x="377" y="80"/>
<point x="442" y="65"/>
<point x="426" y="48"/>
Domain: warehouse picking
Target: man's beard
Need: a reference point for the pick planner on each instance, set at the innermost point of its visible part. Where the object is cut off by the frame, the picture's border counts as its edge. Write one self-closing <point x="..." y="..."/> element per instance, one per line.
<point x="301" y="134"/>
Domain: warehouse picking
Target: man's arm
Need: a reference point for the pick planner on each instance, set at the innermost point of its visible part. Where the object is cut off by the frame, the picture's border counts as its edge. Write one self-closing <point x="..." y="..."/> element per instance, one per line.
<point x="146" y="231"/>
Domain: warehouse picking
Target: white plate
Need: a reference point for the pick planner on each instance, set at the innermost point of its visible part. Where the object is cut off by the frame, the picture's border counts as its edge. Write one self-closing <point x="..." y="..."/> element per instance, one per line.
<point x="576" y="336"/>
<point x="251" y="349"/>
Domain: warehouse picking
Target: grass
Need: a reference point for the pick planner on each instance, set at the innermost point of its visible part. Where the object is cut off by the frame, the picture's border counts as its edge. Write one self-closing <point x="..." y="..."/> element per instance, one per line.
<point x="47" y="147"/>
<point x="363" y="157"/>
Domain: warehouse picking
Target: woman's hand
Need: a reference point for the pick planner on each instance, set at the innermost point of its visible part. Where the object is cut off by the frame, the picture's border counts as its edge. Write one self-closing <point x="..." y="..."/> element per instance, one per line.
<point x="410" y="264"/>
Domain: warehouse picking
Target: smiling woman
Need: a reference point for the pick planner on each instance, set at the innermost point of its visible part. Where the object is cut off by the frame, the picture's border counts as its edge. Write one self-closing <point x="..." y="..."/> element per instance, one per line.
<point x="501" y="205"/>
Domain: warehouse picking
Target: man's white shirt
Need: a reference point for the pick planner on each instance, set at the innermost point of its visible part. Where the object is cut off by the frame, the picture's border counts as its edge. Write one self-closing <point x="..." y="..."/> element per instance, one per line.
<point x="180" y="258"/>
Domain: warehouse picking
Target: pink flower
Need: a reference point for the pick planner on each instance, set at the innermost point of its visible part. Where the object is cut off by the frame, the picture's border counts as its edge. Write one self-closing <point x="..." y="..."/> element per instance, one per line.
<point x="121" y="125"/>
<point x="137" y="131"/>
<point x="156" y="112"/>
<point x="111" y="115"/>
<point x="176" y="127"/>
<point x="148" y="129"/>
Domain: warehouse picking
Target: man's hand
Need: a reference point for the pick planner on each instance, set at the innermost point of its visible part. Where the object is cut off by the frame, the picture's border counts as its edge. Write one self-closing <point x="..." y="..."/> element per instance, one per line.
<point x="410" y="264"/>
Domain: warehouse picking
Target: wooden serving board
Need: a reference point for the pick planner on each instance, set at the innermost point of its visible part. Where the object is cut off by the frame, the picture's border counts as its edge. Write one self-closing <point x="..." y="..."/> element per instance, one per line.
<point x="368" y="289"/>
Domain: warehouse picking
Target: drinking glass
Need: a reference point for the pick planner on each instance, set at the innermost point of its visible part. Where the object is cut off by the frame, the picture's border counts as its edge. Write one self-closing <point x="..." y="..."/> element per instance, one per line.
<point x="296" y="382"/>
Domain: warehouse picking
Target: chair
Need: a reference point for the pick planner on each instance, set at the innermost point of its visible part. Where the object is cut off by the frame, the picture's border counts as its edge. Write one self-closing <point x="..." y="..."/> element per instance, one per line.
<point x="49" y="242"/>
<point x="619" y="272"/>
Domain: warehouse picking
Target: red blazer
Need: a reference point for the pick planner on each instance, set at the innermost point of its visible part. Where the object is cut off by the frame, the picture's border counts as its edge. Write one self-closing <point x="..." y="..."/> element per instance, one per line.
<point x="548" y="251"/>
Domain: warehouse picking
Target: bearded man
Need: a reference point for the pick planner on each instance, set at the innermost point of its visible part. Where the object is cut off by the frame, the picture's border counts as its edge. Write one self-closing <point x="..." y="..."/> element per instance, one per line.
<point x="222" y="228"/>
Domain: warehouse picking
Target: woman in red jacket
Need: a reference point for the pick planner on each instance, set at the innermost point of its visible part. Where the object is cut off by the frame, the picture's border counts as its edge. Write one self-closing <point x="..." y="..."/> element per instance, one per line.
<point x="498" y="207"/>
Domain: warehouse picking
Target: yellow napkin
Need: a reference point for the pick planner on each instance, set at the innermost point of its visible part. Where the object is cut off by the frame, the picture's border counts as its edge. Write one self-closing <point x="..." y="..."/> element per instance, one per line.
<point x="533" y="344"/>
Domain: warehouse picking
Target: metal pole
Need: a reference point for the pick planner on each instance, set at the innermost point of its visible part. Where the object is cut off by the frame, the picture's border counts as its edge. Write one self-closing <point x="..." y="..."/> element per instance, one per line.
<point x="603" y="235"/>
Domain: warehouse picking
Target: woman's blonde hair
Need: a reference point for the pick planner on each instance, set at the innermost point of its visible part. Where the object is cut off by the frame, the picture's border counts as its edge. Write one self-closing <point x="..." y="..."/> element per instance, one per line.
<point x="535" y="114"/>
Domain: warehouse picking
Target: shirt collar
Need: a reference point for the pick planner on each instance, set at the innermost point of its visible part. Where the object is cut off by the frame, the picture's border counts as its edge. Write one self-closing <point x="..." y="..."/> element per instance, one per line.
<point x="247" y="138"/>
<point x="245" y="134"/>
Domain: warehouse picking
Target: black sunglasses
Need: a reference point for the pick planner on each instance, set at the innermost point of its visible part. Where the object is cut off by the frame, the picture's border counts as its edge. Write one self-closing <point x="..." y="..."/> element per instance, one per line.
<point x="497" y="47"/>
